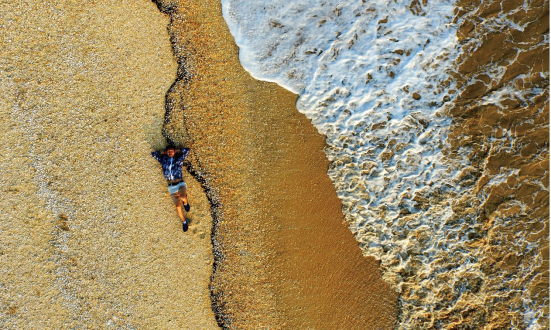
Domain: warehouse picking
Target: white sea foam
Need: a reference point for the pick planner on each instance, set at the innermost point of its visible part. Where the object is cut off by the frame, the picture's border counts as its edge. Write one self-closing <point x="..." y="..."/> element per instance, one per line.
<point x="356" y="67"/>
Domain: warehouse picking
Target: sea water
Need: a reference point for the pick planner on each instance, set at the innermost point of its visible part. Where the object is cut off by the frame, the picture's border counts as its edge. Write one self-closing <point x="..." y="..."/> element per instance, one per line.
<point x="374" y="78"/>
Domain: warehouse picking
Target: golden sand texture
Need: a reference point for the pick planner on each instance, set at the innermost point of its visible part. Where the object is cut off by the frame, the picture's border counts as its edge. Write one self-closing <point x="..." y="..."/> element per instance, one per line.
<point x="285" y="259"/>
<point x="89" y="237"/>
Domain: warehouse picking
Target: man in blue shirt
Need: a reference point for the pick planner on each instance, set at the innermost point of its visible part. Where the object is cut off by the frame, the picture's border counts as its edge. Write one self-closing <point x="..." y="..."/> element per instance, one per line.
<point x="171" y="161"/>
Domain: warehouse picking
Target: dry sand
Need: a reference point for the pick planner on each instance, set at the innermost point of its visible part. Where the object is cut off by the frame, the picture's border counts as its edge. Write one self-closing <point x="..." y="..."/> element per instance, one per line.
<point x="285" y="258"/>
<point x="89" y="237"/>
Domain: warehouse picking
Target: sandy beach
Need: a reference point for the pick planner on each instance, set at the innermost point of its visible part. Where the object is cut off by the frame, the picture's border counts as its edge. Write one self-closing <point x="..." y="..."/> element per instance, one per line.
<point x="89" y="237"/>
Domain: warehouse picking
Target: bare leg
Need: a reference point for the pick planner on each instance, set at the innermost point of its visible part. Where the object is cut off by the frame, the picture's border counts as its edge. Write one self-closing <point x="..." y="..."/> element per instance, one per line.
<point x="184" y="199"/>
<point x="183" y="195"/>
<point x="180" y="212"/>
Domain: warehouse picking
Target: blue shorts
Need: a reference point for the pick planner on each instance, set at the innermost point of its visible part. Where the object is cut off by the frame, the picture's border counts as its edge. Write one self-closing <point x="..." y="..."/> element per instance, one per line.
<point x="173" y="190"/>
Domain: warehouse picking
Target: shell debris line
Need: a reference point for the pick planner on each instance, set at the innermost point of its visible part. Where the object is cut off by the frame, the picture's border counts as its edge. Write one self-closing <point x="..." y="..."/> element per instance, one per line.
<point x="89" y="237"/>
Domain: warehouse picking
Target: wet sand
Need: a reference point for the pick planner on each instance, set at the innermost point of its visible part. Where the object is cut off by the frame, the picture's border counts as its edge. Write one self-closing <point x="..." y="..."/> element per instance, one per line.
<point x="89" y="237"/>
<point x="285" y="258"/>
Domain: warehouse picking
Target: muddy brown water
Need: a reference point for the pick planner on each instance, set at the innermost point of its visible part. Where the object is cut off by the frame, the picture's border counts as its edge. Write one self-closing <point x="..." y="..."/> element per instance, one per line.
<point x="509" y="137"/>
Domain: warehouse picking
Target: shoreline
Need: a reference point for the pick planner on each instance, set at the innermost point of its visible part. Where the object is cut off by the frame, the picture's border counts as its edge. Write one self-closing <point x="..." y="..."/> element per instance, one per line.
<point x="285" y="258"/>
<point x="90" y="237"/>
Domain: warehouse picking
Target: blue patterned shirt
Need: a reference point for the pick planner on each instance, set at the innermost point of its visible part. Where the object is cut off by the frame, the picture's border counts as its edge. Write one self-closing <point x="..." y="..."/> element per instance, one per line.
<point x="172" y="166"/>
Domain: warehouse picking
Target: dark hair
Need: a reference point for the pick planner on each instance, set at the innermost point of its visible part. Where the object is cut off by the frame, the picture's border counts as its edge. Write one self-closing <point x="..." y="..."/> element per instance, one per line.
<point x="170" y="146"/>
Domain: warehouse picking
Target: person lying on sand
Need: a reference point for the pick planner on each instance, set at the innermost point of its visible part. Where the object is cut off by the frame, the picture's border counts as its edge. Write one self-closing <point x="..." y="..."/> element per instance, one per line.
<point x="171" y="161"/>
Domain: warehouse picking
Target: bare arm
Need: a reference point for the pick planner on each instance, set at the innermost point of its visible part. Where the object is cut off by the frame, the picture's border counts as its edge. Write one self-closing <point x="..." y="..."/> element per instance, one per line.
<point x="175" y="151"/>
